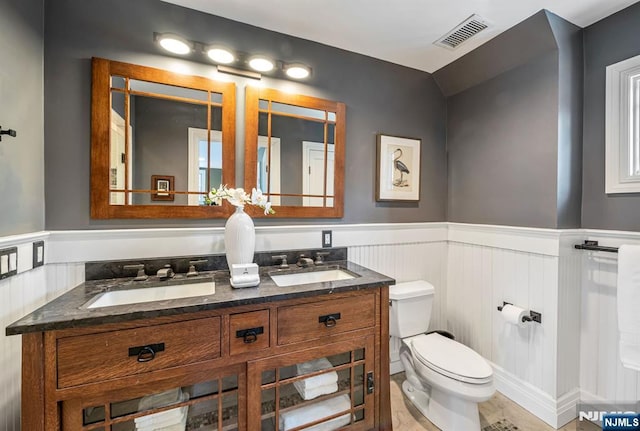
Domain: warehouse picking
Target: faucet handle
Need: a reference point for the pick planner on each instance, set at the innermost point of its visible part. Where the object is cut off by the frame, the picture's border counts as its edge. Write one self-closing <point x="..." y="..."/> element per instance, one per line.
<point x="282" y="258"/>
<point x="320" y="257"/>
<point x="192" y="267"/>
<point x="141" y="276"/>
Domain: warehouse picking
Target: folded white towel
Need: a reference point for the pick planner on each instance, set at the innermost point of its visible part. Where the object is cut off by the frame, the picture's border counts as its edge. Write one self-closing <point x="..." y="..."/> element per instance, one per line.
<point x="160" y="400"/>
<point x="628" y="305"/>
<point x="309" y="393"/>
<point x="312" y="412"/>
<point x="315" y="381"/>
<point x="161" y="420"/>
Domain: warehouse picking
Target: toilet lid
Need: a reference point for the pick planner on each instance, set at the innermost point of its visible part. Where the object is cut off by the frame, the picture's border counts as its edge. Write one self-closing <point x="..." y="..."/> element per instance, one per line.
<point x="453" y="359"/>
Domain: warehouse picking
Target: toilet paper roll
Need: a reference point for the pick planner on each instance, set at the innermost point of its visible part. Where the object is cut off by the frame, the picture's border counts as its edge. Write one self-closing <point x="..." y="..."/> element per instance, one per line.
<point x="513" y="314"/>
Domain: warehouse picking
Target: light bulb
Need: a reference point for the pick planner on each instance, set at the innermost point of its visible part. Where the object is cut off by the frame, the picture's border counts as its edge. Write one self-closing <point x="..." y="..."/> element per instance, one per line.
<point x="174" y="43"/>
<point x="297" y="71"/>
<point x="261" y="64"/>
<point x="220" y="55"/>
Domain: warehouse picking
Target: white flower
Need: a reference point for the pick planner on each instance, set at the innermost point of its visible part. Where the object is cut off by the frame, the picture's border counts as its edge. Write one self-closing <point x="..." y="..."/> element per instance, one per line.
<point x="267" y="208"/>
<point x="238" y="197"/>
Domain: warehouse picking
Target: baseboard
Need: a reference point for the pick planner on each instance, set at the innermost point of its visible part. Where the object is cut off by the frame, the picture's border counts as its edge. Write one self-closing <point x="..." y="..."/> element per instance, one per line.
<point x="555" y="412"/>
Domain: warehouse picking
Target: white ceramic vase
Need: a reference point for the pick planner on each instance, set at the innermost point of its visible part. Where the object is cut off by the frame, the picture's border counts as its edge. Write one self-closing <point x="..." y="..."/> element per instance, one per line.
<point x="239" y="238"/>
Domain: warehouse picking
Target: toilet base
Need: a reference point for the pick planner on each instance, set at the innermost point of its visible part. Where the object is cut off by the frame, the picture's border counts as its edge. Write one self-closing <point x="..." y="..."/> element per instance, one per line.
<point x="444" y="411"/>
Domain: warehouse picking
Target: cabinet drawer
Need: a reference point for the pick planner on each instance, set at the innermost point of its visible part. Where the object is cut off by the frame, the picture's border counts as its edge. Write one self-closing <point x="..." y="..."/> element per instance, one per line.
<point x="315" y="320"/>
<point x="248" y="331"/>
<point x="109" y="355"/>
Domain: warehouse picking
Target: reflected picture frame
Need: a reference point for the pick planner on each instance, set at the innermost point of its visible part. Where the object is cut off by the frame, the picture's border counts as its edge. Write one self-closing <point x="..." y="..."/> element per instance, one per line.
<point x="162" y="186"/>
<point x="398" y="168"/>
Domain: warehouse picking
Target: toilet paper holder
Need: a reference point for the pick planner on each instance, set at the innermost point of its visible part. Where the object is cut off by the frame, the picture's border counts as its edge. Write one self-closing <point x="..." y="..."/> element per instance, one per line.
<point x="533" y="316"/>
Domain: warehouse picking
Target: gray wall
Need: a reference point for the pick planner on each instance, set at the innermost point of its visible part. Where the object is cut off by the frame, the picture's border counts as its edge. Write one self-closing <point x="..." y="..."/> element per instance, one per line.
<point x="606" y="42"/>
<point x="570" y="104"/>
<point x="514" y="127"/>
<point x="21" y="109"/>
<point x="380" y="97"/>
<point x="502" y="140"/>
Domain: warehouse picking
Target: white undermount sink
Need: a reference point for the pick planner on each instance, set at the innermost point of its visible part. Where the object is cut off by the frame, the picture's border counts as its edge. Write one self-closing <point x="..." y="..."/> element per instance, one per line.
<point x="284" y="280"/>
<point x="150" y="294"/>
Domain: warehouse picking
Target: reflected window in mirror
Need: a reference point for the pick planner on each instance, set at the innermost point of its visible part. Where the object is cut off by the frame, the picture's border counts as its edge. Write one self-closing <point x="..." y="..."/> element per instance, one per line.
<point x="294" y="152"/>
<point x="149" y="123"/>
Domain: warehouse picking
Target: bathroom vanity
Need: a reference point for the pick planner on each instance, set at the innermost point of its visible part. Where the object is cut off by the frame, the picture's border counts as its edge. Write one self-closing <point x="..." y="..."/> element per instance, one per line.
<point x="234" y="360"/>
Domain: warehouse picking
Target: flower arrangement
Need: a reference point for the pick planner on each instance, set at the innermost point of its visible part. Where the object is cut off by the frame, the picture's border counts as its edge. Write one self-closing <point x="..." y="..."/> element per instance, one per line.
<point x="239" y="198"/>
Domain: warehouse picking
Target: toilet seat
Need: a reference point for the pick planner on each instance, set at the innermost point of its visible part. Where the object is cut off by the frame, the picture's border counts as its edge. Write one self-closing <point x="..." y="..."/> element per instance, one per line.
<point x="451" y="359"/>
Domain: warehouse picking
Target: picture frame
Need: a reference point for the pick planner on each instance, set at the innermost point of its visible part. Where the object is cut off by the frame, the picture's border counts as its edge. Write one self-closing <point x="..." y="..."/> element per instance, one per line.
<point x="398" y="168"/>
<point x="162" y="185"/>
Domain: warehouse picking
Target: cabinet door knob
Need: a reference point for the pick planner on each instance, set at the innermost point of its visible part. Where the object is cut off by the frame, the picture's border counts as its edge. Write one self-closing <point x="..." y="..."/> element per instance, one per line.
<point x="146" y="354"/>
<point x="329" y="320"/>
<point x="250" y="335"/>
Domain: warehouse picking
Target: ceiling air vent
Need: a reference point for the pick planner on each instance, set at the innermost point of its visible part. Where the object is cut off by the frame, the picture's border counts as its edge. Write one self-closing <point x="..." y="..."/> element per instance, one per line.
<point x="462" y="32"/>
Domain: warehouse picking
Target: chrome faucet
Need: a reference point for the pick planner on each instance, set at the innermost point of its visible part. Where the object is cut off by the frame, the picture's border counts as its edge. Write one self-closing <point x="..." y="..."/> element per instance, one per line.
<point x="166" y="272"/>
<point x="304" y="261"/>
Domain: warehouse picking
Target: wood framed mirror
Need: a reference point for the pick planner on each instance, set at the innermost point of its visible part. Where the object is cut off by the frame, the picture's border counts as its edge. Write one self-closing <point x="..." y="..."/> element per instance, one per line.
<point x="159" y="142"/>
<point x="294" y="152"/>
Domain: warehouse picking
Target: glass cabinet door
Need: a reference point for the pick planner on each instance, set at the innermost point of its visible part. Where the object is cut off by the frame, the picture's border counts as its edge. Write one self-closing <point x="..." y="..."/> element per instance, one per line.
<point x="207" y="406"/>
<point x="324" y="388"/>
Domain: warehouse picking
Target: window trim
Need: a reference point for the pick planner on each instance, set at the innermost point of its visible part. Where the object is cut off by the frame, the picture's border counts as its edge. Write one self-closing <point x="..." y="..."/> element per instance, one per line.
<point x="619" y="83"/>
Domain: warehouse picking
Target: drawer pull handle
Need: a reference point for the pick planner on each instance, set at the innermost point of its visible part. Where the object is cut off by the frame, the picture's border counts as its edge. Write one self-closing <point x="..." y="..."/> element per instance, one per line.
<point x="329" y="320"/>
<point x="146" y="353"/>
<point x="250" y="335"/>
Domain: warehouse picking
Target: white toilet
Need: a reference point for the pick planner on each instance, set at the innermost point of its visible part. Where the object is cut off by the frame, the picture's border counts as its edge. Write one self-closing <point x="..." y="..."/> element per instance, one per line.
<point x="445" y="379"/>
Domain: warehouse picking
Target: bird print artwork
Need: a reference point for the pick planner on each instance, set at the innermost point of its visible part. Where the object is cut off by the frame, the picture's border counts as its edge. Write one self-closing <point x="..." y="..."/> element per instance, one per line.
<point x="401" y="168"/>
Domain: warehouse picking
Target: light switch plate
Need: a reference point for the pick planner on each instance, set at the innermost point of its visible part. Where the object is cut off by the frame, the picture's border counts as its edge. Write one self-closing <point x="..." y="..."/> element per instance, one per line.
<point x="38" y="254"/>
<point x="8" y="262"/>
<point x="326" y="238"/>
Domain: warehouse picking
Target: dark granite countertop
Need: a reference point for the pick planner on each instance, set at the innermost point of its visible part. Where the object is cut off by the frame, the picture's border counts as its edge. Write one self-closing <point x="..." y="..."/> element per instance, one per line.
<point x="69" y="310"/>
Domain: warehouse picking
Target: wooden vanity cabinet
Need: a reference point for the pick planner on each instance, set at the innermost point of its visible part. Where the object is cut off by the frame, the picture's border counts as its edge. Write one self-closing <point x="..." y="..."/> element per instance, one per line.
<point x="268" y="366"/>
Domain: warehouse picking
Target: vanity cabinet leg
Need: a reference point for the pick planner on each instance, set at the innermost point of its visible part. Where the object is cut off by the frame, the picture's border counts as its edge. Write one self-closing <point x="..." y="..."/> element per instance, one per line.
<point x="32" y="413"/>
<point x="385" y="376"/>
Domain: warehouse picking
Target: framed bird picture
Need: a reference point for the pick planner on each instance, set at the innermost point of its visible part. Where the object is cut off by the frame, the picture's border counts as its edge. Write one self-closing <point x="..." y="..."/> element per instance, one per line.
<point x="398" y="175"/>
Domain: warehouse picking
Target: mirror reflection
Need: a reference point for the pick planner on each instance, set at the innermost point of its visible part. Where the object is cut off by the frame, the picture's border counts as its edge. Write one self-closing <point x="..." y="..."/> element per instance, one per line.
<point x="167" y="141"/>
<point x="296" y="150"/>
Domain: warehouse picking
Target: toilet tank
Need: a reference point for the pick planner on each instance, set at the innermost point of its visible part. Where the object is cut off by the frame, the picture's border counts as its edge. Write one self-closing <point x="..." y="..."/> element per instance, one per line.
<point x="410" y="308"/>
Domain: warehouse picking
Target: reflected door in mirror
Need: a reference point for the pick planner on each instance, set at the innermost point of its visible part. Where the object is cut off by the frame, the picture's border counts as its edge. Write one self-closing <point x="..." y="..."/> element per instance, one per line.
<point x="295" y="145"/>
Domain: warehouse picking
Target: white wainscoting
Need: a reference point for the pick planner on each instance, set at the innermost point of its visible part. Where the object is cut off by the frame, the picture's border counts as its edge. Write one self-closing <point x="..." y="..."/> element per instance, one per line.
<point x="536" y="269"/>
<point x="20" y="295"/>
<point x="602" y="376"/>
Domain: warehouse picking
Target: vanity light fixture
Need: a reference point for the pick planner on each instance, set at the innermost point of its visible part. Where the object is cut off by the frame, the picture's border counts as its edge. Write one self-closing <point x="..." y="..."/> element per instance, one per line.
<point x="232" y="62"/>
<point x="220" y="55"/>
<point x="297" y="70"/>
<point x="261" y="63"/>
<point x="174" y="43"/>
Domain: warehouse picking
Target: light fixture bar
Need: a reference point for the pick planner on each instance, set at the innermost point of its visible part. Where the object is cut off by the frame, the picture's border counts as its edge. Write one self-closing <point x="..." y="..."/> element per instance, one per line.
<point x="239" y="72"/>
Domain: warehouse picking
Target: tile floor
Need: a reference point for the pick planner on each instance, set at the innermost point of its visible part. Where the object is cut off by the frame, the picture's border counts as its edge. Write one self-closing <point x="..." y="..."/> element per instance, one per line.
<point x="497" y="414"/>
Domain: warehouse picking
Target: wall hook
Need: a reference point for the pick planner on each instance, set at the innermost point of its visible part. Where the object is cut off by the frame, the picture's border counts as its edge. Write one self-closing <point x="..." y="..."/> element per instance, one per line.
<point x="9" y="132"/>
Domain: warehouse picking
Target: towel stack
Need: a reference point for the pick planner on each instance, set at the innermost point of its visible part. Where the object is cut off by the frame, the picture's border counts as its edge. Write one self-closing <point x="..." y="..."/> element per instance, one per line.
<point x="312" y="412"/>
<point x="315" y="386"/>
<point x="168" y="420"/>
